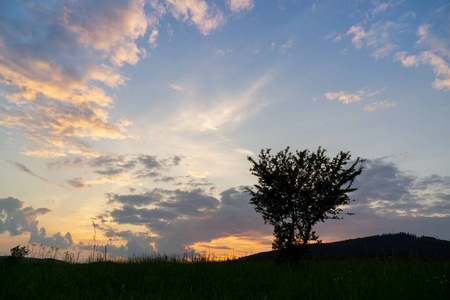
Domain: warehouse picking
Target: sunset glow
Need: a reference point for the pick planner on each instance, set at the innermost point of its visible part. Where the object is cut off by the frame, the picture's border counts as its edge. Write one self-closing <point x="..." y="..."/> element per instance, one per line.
<point x="139" y="115"/>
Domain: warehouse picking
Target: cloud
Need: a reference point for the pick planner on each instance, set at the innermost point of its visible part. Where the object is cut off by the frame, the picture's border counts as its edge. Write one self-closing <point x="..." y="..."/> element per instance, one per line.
<point x="78" y="183"/>
<point x="138" y="200"/>
<point x="176" y="87"/>
<point x="52" y="61"/>
<point x="57" y="240"/>
<point x="228" y="112"/>
<point x="153" y="37"/>
<point x="384" y="189"/>
<point x="437" y="56"/>
<point x="344" y="97"/>
<point x="111" y="27"/>
<point x="363" y="94"/>
<point x="198" y="174"/>
<point x="206" y="17"/>
<point x="181" y="218"/>
<point x="288" y="45"/>
<point x="387" y="199"/>
<point x="334" y="36"/>
<point x="18" y="220"/>
<point x="138" y="244"/>
<point x="117" y="168"/>
<point x="382" y="7"/>
<point x="378" y="38"/>
<point x="23" y="168"/>
<point x="378" y="105"/>
<point x="238" y="5"/>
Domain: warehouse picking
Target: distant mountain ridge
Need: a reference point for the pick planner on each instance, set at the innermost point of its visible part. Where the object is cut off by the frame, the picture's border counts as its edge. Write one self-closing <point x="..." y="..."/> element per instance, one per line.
<point x="398" y="245"/>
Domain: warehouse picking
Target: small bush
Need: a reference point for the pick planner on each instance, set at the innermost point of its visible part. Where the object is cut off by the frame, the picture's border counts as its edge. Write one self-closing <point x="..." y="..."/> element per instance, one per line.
<point x="18" y="253"/>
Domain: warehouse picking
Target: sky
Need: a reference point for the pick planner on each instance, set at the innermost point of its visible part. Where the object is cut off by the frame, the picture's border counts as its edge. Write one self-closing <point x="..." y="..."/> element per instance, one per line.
<point x="139" y="116"/>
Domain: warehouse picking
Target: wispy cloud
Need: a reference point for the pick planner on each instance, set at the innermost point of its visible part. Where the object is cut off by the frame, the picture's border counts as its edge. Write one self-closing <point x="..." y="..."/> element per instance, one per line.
<point x="109" y="26"/>
<point x="176" y="87"/>
<point x="437" y="56"/>
<point x="227" y="113"/>
<point x="344" y="97"/>
<point x="207" y="17"/>
<point x="378" y="105"/>
<point x="153" y="37"/>
<point x="238" y="5"/>
<point x="363" y="94"/>
<point x="56" y="78"/>
<point x="25" y="169"/>
<point x="379" y="7"/>
<point x="379" y="38"/>
<point x="288" y="45"/>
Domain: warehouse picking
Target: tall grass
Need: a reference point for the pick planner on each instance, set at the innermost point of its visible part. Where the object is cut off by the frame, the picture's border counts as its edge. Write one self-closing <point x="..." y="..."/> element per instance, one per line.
<point x="166" y="278"/>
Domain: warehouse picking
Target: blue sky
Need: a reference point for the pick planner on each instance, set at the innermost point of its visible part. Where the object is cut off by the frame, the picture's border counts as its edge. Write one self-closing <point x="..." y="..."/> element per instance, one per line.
<point x="140" y="115"/>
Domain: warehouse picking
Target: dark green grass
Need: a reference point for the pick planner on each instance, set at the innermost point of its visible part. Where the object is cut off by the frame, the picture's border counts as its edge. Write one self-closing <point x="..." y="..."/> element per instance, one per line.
<point x="344" y="279"/>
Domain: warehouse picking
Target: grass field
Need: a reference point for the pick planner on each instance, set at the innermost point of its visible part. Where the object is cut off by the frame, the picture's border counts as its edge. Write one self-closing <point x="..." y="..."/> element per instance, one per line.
<point x="163" y="279"/>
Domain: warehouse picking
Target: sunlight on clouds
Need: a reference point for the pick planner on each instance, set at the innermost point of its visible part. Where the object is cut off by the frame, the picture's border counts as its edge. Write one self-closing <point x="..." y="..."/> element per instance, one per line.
<point x="56" y="96"/>
<point x="176" y="87"/>
<point x="111" y="27"/>
<point x="227" y="113"/>
<point x="235" y="245"/>
<point x="363" y="94"/>
<point x="344" y="97"/>
<point x="238" y="5"/>
<point x="378" y="105"/>
<point x="206" y="17"/>
<point x="198" y="174"/>
<point x="437" y="57"/>
<point x="153" y="37"/>
<point x="378" y="38"/>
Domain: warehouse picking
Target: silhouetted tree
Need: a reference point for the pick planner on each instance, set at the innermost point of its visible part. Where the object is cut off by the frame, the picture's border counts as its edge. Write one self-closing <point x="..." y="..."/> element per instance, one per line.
<point x="296" y="191"/>
<point x="18" y="253"/>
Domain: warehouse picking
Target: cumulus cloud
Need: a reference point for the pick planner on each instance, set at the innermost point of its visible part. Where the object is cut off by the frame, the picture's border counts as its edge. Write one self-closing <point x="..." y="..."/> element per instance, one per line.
<point x="18" y="220"/>
<point x="207" y="17"/>
<point x="56" y="95"/>
<point x="59" y="61"/>
<point x="180" y="218"/>
<point x="57" y="240"/>
<point x="344" y="97"/>
<point x="387" y="198"/>
<point x="109" y="26"/>
<point x="384" y="189"/>
<point x="379" y="37"/>
<point x="238" y="5"/>
<point x="363" y="94"/>
<point x="437" y="56"/>
<point x="138" y="244"/>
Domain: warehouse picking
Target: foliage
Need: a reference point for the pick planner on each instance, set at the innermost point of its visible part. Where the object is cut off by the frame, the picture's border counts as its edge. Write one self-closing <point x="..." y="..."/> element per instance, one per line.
<point x="18" y="253"/>
<point x="332" y="279"/>
<point x="297" y="190"/>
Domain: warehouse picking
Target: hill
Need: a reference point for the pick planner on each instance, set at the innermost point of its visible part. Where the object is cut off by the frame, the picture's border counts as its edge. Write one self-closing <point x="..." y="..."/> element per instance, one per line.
<point x="399" y="245"/>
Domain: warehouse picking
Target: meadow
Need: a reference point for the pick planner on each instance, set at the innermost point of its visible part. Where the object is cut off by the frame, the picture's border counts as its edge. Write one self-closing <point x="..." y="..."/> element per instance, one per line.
<point x="164" y="278"/>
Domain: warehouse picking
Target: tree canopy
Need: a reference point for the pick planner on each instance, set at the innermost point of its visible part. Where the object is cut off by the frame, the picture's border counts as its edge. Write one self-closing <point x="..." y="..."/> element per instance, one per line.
<point x="297" y="190"/>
